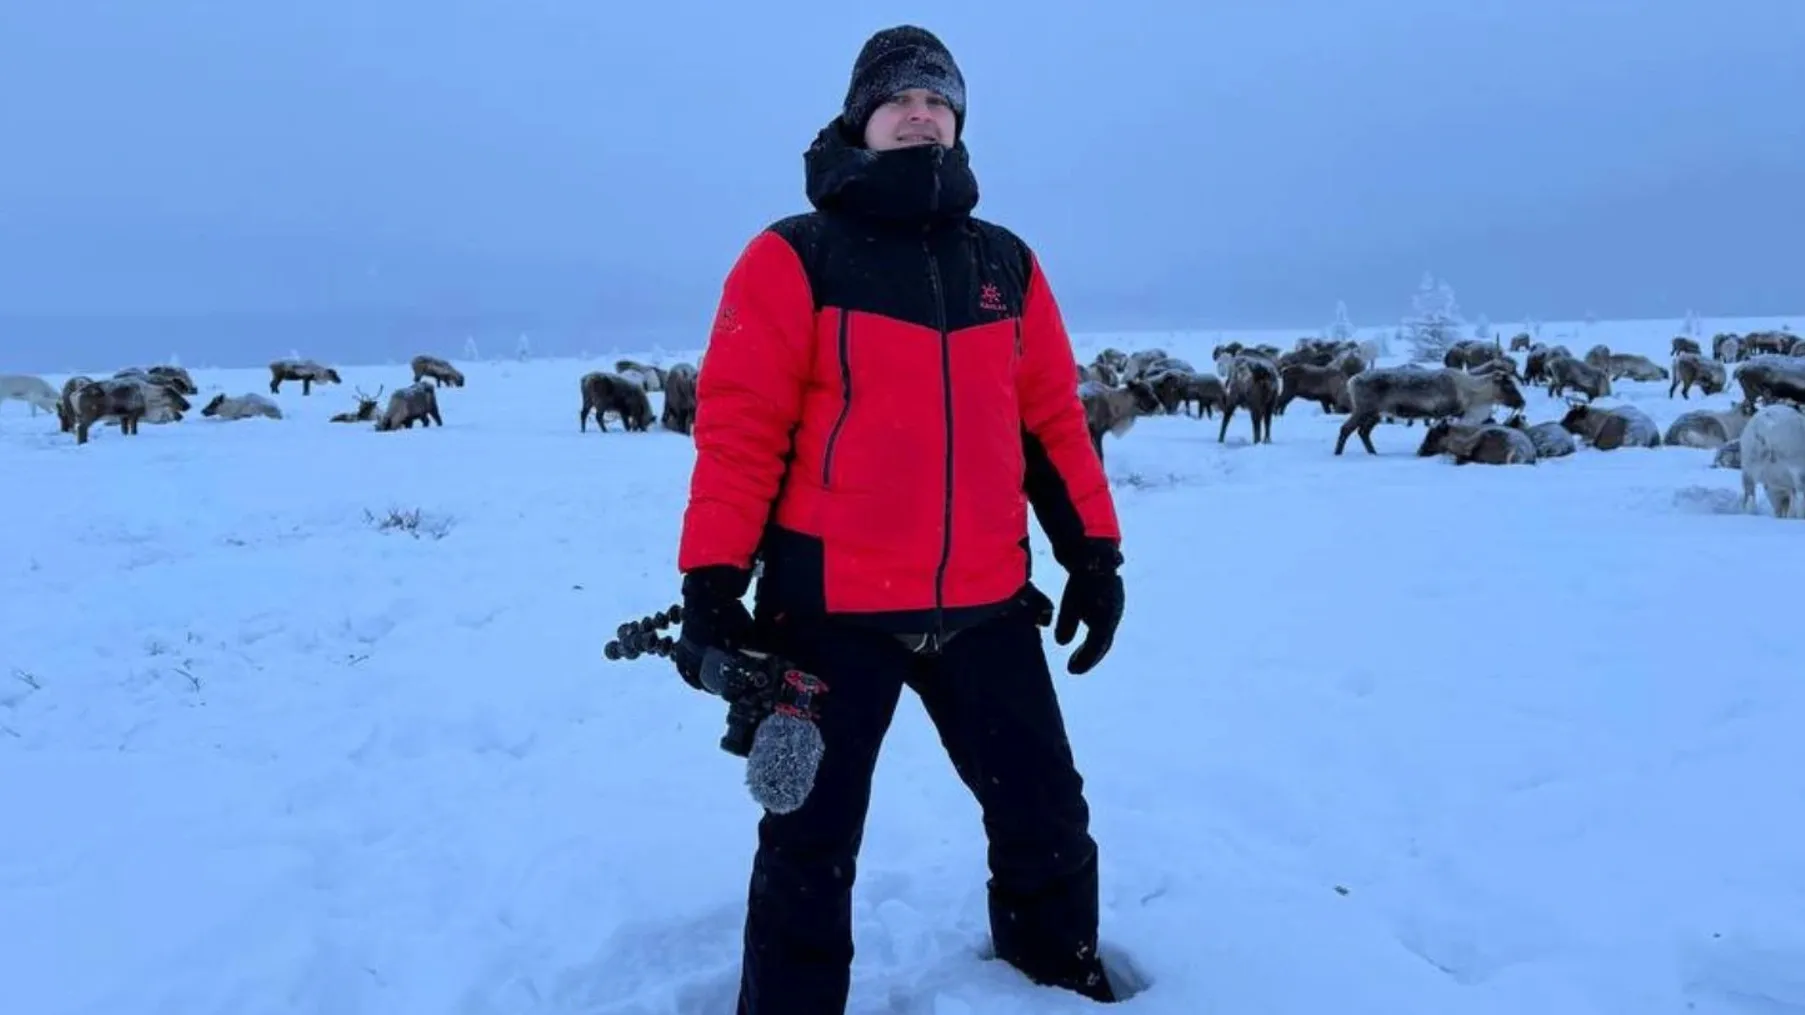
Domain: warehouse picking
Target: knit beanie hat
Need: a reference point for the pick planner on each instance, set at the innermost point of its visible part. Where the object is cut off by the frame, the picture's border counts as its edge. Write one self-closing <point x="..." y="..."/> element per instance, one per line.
<point x="895" y="60"/>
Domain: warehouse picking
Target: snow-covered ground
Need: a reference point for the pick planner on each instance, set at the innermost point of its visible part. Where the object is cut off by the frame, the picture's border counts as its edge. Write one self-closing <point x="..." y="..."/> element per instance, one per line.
<point x="1379" y="735"/>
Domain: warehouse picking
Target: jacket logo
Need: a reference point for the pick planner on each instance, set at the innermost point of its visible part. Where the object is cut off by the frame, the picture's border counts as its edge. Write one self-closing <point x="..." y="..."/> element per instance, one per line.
<point x="728" y="320"/>
<point x="991" y="298"/>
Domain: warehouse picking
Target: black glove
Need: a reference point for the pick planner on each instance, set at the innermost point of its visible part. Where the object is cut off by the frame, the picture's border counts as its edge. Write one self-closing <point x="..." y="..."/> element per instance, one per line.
<point x="713" y="618"/>
<point x="1093" y="594"/>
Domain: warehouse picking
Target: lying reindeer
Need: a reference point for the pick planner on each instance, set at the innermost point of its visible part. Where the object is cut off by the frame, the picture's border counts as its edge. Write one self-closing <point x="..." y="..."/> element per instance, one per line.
<point x="441" y="372"/>
<point x="1621" y="426"/>
<point x="365" y="411"/>
<point x="1485" y="443"/>
<point x="416" y="403"/>
<point x="241" y="407"/>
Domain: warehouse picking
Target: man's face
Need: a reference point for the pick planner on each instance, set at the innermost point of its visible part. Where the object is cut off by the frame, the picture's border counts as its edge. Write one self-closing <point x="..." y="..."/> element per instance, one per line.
<point x="908" y="118"/>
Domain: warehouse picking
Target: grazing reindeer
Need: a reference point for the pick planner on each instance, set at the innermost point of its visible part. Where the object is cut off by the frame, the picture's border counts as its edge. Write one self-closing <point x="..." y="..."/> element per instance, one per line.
<point x="241" y="407"/>
<point x="416" y="403"/>
<point x="1621" y="426"/>
<point x="605" y="392"/>
<point x="680" y="398"/>
<point x="365" y="411"/>
<point x="113" y="398"/>
<point x="1114" y="410"/>
<point x="1252" y="381"/>
<point x="1773" y="455"/>
<point x="306" y="371"/>
<point x="1690" y="368"/>
<point x="1588" y="379"/>
<point x="1486" y="443"/>
<point x="441" y="372"/>
<point x="1521" y="342"/>
<point x="1426" y="394"/>
<point x="176" y="378"/>
<point x="1683" y="344"/>
<point x="33" y="391"/>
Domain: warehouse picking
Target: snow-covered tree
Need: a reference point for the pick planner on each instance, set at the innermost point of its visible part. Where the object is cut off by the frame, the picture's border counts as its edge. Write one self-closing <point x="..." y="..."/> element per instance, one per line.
<point x="470" y="350"/>
<point x="1434" y="322"/>
<point x="1691" y="328"/>
<point x="523" y="349"/>
<point x="1341" y="329"/>
<point x="1483" y="329"/>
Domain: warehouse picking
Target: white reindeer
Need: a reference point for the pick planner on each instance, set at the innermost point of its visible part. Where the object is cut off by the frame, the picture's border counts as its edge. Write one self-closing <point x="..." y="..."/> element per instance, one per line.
<point x="1773" y="455"/>
<point x="33" y="391"/>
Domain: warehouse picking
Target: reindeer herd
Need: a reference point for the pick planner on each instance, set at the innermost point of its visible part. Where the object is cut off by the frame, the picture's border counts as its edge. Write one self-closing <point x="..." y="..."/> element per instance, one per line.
<point x="160" y="394"/>
<point x="1762" y="434"/>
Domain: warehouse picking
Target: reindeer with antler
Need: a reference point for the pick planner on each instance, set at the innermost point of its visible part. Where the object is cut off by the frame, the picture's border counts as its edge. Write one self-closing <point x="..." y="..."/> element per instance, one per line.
<point x="366" y="408"/>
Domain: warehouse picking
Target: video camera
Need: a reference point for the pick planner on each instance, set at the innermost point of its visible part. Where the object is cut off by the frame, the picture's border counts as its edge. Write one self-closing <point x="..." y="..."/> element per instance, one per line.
<point x="755" y="685"/>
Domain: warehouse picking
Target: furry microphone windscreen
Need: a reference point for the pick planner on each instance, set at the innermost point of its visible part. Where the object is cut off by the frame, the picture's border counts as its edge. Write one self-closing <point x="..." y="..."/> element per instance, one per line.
<point x="780" y="768"/>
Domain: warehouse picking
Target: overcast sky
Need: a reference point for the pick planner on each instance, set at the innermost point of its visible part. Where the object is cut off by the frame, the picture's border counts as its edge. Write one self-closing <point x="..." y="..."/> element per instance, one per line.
<point x="371" y="177"/>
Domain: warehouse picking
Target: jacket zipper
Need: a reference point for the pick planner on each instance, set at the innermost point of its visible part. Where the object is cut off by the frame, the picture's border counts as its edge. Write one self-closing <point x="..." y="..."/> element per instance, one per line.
<point x="833" y="436"/>
<point x="946" y="387"/>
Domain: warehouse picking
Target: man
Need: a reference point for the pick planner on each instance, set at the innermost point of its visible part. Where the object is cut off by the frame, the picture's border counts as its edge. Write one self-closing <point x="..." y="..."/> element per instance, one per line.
<point x="887" y="387"/>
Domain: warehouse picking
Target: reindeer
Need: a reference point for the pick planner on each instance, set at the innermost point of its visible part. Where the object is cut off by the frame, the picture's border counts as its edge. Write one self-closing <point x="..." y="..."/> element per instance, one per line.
<point x="1502" y="364"/>
<point x="1599" y="356"/>
<point x="1702" y="428"/>
<point x="175" y="378"/>
<point x="605" y="392"/>
<point x="241" y="407"/>
<point x="66" y="411"/>
<point x="1729" y="456"/>
<point x="1565" y="372"/>
<point x="306" y="371"/>
<point x="1468" y="353"/>
<point x="1690" y="368"/>
<point x="1683" y="344"/>
<point x="1252" y="381"/>
<point x="416" y="403"/>
<point x="365" y="411"/>
<point x="162" y="396"/>
<point x="1521" y="342"/>
<point x="648" y="377"/>
<point x="1535" y="365"/>
<point x="1324" y="385"/>
<point x="1103" y="373"/>
<point x="1773" y="455"/>
<point x="680" y="398"/>
<point x="1726" y="348"/>
<point x="441" y="372"/>
<point x="1485" y="443"/>
<point x="112" y="399"/>
<point x="1114" y="410"/>
<point x="1621" y="426"/>
<point x="1426" y="394"/>
<point x="1766" y="343"/>
<point x="1634" y="367"/>
<point x="33" y="391"/>
<point x="1551" y="440"/>
<point x="1180" y="387"/>
<point x="1770" y="378"/>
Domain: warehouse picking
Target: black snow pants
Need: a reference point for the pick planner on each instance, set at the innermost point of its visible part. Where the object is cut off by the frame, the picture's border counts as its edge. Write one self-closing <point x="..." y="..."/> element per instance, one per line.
<point x="989" y="694"/>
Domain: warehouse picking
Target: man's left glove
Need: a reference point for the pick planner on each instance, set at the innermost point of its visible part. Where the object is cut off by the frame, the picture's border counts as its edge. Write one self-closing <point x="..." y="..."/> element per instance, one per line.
<point x="713" y="618"/>
<point x="1093" y="594"/>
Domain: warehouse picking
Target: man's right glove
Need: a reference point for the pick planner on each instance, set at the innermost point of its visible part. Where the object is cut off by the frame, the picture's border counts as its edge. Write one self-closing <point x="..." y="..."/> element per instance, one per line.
<point x="713" y="618"/>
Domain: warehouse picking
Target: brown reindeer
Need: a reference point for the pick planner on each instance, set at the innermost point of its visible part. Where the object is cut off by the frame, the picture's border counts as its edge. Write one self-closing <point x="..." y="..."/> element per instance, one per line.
<point x="1683" y="344"/>
<point x="1324" y="385"/>
<point x="113" y="398"/>
<point x="1426" y="394"/>
<point x="365" y="411"/>
<point x="1690" y="368"/>
<point x="1113" y="410"/>
<point x="1770" y="378"/>
<point x="306" y="371"/>
<point x="1564" y="372"/>
<point x="1252" y="381"/>
<point x="416" y="403"/>
<point x="1484" y="443"/>
<point x="441" y="372"/>
<point x="1521" y="342"/>
<point x="1621" y="426"/>
<point x="605" y="392"/>
<point x="680" y="398"/>
<point x="66" y="412"/>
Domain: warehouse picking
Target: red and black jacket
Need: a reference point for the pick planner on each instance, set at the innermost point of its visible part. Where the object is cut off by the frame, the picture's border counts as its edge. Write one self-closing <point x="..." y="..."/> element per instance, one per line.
<point x="887" y="388"/>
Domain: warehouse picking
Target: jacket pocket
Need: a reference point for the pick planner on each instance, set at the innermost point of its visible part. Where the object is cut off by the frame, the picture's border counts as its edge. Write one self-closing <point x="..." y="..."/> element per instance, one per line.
<point x="844" y="341"/>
